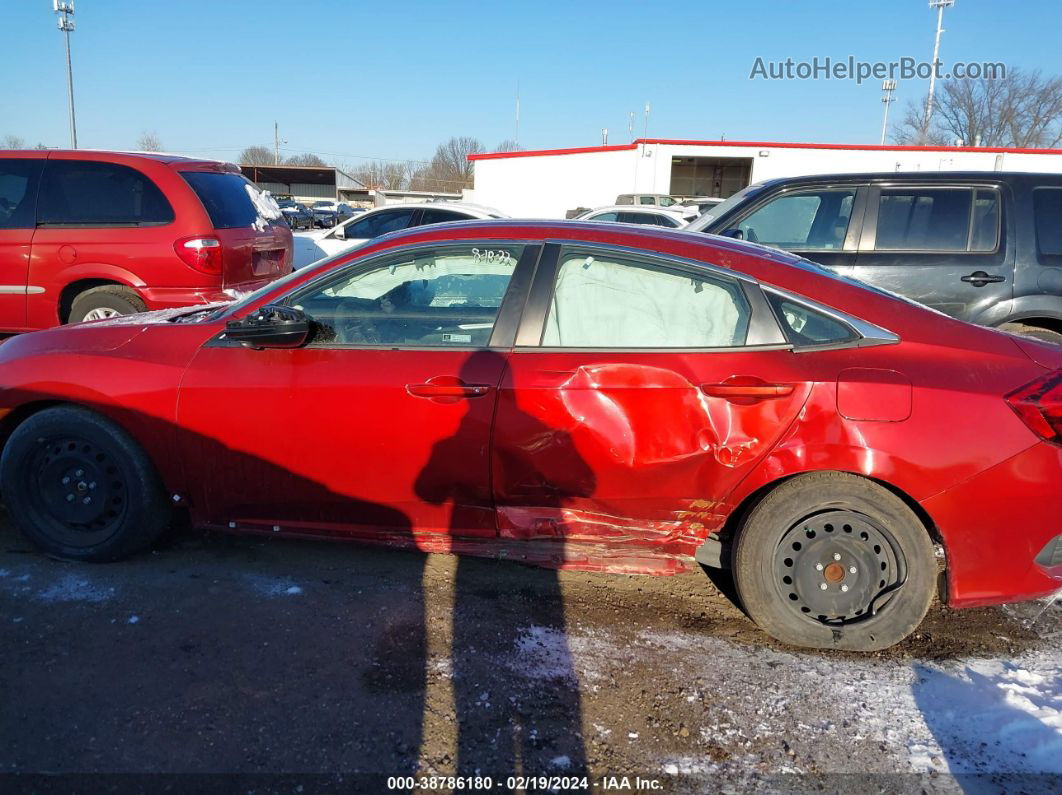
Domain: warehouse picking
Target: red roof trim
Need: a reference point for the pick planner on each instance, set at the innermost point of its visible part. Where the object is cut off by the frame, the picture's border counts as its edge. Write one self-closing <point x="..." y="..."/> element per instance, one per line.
<point x="768" y="145"/>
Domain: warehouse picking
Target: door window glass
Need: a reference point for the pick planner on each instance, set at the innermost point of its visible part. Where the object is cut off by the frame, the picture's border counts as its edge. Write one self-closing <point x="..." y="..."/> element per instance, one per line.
<point x="18" y="191"/>
<point x="935" y="219"/>
<point x="803" y="325"/>
<point x="441" y="216"/>
<point x="439" y="298"/>
<point x="604" y="302"/>
<point x="90" y="193"/>
<point x="605" y="216"/>
<point x="379" y="224"/>
<point x="1047" y="211"/>
<point x="815" y="220"/>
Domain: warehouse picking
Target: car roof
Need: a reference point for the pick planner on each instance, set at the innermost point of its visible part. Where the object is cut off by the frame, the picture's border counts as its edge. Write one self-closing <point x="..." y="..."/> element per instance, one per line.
<point x="107" y="154"/>
<point x="474" y="210"/>
<point x="906" y="176"/>
<point x="635" y="208"/>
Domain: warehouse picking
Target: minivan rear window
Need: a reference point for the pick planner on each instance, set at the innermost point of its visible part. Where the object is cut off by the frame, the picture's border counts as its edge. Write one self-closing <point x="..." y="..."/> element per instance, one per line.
<point x="231" y="200"/>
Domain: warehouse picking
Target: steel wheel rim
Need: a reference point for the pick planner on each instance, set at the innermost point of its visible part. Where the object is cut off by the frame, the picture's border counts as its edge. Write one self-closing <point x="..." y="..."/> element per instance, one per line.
<point x="79" y="488"/>
<point x="838" y="568"/>
<point x="101" y="313"/>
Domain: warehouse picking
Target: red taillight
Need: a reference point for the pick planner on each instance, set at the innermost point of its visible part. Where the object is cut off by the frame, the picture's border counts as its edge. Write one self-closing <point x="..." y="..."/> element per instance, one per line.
<point x="201" y="253"/>
<point x="1039" y="404"/>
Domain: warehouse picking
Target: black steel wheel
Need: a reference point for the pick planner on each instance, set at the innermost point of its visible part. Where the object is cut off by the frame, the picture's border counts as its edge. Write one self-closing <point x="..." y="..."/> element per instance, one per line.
<point x="80" y="487"/>
<point x="833" y="560"/>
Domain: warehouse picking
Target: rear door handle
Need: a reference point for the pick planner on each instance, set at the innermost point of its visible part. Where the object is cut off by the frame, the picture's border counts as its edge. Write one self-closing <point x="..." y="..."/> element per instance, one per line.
<point x="447" y="387"/>
<point x="746" y="387"/>
<point x="980" y="278"/>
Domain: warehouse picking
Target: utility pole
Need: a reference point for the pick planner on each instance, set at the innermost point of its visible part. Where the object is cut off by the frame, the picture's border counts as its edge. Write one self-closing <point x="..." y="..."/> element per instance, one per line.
<point x="887" y="88"/>
<point x="65" y="8"/>
<point x="517" y="139"/>
<point x="940" y="5"/>
<point x="276" y="143"/>
<point x="630" y="125"/>
<point x="646" y="133"/>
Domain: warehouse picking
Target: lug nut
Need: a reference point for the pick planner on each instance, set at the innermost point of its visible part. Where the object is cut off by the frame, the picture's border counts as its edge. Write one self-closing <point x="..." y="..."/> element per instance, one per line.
<point x="92" y="485"/>
<point x="836" y="555"/>
<point x="79" y="473"/>
<point x="823" y="586"/>
<point x="844" y="588"/>
<point x="818" y="567"/>
<point x="69" y="497"/>
<point x="66" y="480"/>
<point x="851" y="569"/>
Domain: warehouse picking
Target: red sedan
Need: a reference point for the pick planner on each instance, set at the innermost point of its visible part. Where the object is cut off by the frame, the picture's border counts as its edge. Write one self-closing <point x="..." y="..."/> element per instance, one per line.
<point x="584" y="396"/>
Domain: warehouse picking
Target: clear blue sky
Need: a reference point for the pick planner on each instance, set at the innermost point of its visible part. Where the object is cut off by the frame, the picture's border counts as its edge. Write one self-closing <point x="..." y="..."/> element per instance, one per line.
<point x="392" y="79"/>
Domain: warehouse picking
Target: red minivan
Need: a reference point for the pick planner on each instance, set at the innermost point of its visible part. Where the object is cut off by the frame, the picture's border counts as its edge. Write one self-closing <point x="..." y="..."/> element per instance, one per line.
<point x="89" y="235"/>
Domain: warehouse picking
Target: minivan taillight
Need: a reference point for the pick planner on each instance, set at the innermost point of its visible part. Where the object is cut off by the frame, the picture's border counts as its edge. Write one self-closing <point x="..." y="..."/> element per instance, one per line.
<point x="201" y="253"/>
<point x="1039" y="404"/>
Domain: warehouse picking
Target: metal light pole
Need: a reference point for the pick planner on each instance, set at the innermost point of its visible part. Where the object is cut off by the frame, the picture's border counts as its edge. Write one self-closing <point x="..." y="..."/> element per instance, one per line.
<point x="887" y="87"/>
<point x="940" y="5"/>
<point x="65" y="8"/>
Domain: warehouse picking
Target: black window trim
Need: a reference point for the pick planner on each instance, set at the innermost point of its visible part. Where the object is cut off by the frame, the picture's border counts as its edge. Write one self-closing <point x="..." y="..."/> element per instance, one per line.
<point x="34" y="184"/>
<point x="867" y="334"/>
<point x="506" y="321"/>
<point x="763" y="333"/>
<point x="1043" y="259"/>
<point x="43" y="176"/>
<point x="868" y="239"/>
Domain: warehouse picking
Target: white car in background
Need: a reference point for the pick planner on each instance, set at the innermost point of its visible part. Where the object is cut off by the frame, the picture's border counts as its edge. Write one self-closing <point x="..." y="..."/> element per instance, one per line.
<point x="653" y="216"/>
<point x="312" y="246"/>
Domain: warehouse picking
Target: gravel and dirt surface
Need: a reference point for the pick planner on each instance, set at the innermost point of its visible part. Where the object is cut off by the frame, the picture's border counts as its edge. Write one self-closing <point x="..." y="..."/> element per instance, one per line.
<point x="344" y="664"/>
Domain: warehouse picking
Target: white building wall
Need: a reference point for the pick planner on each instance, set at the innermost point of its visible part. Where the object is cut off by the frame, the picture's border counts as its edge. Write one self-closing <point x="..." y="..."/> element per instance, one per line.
<point x="547" y="185"/>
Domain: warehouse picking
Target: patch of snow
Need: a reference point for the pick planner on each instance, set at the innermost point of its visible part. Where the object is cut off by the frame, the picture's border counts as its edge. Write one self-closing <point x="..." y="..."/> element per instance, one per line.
<point x="563" y="762"/>
<point x="274" y="586"/>
<point x="72" y="588"/>
<point x="133" y="620"/>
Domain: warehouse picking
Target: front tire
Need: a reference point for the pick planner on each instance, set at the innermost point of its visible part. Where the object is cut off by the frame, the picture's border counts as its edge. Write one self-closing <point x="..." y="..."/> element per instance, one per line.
<point x="832" y="560"/>
<point x="102" y="303"/>
<point x="78" y="486"/>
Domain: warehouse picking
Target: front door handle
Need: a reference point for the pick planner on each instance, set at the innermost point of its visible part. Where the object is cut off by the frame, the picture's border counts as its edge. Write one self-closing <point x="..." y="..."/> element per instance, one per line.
<point x="980" y="278"/>
<point x="447" y="389"/>
<point x="746" y="387"/>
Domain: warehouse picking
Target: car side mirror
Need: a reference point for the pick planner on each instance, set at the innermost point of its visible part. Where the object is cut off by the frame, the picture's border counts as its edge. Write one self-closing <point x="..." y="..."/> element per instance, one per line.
<point x="271" y="326"/>
<point x="734" y="232"/>
<point x="340" y="232"/>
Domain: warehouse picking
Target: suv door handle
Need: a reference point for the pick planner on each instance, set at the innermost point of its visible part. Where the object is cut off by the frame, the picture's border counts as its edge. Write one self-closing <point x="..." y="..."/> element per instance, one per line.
<point x="748" y="387"/>
<point x="980" y="279"/>
<point x="448" y="387"/>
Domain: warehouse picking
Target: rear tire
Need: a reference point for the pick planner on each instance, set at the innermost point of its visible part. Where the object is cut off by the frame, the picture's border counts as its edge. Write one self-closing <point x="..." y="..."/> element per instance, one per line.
<point x="818" y="563"/>
<point x="100" y="303"/>
<point x="78" y="486"/>
<point x="1045" y="334"/>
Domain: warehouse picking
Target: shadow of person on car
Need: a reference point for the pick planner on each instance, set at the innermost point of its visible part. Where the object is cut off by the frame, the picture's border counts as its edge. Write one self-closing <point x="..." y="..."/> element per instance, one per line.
<point x="246" y="658"/>
<point x="516" y="691"/>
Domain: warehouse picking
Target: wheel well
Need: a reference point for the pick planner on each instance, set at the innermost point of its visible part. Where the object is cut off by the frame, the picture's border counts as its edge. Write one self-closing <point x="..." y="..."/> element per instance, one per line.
<point x="737" y="517"/>
<point x="74" y="289"/>
<point x="1046" y="323"/>
<point x="19" y="415"/>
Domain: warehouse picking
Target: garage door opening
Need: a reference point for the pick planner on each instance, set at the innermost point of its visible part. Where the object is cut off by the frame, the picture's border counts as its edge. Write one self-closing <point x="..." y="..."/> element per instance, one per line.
<point x="709" y="176"/>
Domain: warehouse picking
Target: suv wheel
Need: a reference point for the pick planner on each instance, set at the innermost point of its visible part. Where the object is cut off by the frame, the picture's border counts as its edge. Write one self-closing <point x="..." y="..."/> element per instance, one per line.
<point x="100" y="303"/>
<point x="831" y="560"/>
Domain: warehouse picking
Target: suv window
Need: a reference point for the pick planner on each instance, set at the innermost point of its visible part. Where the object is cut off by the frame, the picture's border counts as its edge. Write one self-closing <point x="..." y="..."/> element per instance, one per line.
<point x="625" y="198"/>
<point x="805" y="326"/>
<point x="601" y="301"/>
<point x="231" y="200"/>
<point x="18" y="191"/>
<point x="441" y="216"/>
<point x="438" y="298"/>
<point x="803" y="221"/>
<point x="937" y="219"/>
<point x="379" y="223"/>
<point x="90" y="193"/>
<point x="1047" y="211"/>
<point x="646" y="200"/>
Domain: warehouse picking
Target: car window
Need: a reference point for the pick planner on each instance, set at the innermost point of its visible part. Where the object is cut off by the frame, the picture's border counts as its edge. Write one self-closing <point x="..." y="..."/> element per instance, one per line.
<point x="637" y="218"/>
<point x="610" y="216"/>
<point x="646" y="200"/>
<point x="18" y="192"/>
<point x="625" y="198"/>
<point x="231" y="200"/>
<point x="89" y="193"/>
<point x="432" y="216"/>
<point x="380" y="223"/>
<point x="443" y="297"/>
<point x="666" y="201"/>
<point x="805" y="326"/>
<point x="1047" y="211"/>
<point x="937" y="219"/>
<point x="808" y="220"/>
<point x="602" y="301"/>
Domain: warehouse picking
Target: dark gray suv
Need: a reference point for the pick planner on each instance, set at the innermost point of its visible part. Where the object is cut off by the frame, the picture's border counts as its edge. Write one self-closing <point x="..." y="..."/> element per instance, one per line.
<point x="981" y="246"/>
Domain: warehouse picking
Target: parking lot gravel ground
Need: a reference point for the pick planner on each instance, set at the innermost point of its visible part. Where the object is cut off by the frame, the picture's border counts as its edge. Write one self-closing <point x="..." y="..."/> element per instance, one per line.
<point x="344" y="664"/>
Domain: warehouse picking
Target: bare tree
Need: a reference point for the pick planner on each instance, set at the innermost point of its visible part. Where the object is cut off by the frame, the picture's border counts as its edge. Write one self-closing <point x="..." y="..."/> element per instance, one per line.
<point x="304" y="160"/>
<point x="12" y="142"/>
<point x="508" y="145"/>
<point x="256" y="156"/>
<point x="450" y="169"/>
<point x="383" y="175"/>
<point x="149" y="141"/>
<point x="1022" y="110"/>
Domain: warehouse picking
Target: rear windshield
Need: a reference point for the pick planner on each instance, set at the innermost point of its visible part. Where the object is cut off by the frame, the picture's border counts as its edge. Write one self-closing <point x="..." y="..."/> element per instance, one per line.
<point x="232" y="200"/>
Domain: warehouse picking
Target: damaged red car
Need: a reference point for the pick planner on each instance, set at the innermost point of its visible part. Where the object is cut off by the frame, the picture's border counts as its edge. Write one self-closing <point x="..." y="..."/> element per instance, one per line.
<point x="579" y="396"/>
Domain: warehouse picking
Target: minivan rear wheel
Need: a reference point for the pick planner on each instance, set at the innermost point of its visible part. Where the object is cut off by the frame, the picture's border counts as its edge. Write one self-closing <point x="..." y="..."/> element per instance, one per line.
<point x="832" y="560"/>
<point x="107" y="301"/>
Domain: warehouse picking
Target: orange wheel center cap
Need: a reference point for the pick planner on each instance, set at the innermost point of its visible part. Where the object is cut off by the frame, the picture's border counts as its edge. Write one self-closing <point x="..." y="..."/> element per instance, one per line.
<point x="834" y="573"/>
